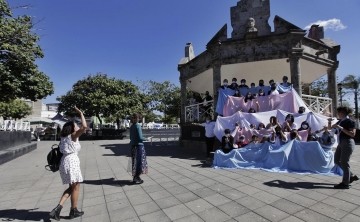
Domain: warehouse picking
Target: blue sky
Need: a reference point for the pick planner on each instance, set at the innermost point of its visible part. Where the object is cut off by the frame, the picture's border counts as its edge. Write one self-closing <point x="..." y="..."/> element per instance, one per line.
<point x="144" y="40"/>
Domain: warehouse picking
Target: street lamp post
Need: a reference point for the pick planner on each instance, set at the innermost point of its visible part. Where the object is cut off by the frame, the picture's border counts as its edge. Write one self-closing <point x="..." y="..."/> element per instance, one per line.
<point x="340" y="92"/>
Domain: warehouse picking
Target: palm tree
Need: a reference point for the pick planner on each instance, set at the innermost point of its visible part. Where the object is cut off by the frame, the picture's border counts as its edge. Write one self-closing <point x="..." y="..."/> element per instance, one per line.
<point x="352" y="82"/>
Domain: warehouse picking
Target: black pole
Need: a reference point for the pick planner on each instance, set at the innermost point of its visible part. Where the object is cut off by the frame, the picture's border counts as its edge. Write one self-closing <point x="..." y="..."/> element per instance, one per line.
<point x="356" y="107"/>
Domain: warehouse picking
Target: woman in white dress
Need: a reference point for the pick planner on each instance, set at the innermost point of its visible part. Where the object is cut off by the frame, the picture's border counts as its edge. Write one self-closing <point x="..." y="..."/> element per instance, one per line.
<point x="70" y="166"/>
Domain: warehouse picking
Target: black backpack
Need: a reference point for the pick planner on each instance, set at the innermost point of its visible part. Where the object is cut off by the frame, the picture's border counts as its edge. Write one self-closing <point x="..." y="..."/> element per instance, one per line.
<point x="54" y="158"/>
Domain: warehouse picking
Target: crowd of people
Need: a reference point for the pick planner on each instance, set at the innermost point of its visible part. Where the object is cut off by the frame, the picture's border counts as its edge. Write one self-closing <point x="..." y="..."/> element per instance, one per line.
<point x="250" y="94"/>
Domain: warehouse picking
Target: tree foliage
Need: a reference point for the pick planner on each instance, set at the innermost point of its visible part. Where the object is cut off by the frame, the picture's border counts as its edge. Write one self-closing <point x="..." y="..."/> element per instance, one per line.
<point x="98" y="95"/>
<point x="19" y="74"/>
<point x="319" y="88"/>
<point x="16" y="109"/>
<point x="163" y="97"/>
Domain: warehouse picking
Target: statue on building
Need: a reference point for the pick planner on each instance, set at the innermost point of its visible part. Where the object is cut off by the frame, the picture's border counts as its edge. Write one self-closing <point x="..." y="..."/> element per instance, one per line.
<point x="251" y="25"/>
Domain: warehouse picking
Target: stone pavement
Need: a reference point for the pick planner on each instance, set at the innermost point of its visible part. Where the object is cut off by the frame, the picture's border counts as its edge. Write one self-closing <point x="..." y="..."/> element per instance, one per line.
<point x="177" y="188"/>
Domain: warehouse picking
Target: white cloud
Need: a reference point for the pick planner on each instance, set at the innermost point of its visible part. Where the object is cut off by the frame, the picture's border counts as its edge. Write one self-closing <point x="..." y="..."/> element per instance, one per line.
<point x="333" y="24"/>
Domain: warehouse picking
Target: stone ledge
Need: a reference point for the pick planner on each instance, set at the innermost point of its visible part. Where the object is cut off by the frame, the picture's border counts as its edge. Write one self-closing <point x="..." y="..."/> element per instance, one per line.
<point x="14" y="152"/>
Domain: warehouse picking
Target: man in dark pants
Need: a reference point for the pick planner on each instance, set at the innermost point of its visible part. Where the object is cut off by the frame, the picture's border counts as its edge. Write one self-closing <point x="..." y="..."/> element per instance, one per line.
<point x="346" y="146"/>
<point x="209" y="136"/>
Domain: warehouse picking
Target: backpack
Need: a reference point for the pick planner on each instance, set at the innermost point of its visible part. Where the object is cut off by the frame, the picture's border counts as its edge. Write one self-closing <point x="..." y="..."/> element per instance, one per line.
<point x="54" y="158"/>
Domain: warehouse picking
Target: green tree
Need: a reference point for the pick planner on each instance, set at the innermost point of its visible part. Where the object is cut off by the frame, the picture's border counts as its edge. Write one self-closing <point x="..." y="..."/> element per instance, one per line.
<point x="351" y="83"/>
<point x="16" y="109"/>
<point x="101" y="96"/>
<point x="319" y="88"/>
<point x="163" y="97"/>
<point x="19" y="74"/>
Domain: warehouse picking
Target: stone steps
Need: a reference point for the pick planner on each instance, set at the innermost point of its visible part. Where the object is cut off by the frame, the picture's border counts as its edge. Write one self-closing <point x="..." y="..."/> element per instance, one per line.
<point x="16" y="151"/>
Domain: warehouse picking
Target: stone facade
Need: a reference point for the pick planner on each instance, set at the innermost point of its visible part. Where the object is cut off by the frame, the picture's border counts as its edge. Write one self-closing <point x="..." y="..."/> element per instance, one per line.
<point x="287" y="42"/>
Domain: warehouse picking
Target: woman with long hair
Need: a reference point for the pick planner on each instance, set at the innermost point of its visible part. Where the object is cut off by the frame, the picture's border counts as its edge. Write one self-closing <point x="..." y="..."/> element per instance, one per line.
<point x="138" y="154"/>
<point x="70" y="166"/>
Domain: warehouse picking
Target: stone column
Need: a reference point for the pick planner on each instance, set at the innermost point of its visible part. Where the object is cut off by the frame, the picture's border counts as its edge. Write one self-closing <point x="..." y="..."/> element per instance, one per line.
<point x="295" y="72"/>
<point x="332" y="88"/>
<point x="183" y="97"/>
<point x="216" y="82"/>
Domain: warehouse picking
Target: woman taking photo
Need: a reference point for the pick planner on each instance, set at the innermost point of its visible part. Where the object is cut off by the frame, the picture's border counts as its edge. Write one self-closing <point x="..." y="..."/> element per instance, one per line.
<point x="138" y="154"/>
<point x="70" y="166"/>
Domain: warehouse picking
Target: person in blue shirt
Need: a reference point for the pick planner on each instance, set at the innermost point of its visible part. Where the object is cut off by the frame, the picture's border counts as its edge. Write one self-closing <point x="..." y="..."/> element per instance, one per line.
<point x="138" y="154"/>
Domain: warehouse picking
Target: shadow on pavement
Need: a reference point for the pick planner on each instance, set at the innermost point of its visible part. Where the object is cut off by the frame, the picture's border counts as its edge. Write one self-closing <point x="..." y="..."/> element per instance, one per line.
<point x="203" y="164"/>
<point x="109" y="181"/>
<point x="156" y="149"/>
<point x="299" y="185"/>
<point x="28" y="215"/>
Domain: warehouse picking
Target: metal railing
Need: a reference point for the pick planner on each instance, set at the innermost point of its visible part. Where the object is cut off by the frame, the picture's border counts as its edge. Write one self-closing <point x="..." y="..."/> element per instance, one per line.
<point x="12" y="125"/>
<point x="321" y="105"/>
<point x="198" y="112"/>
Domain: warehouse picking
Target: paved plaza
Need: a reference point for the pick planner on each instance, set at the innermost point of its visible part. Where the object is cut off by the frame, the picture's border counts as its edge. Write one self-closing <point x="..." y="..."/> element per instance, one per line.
<point x="178" y="187"/>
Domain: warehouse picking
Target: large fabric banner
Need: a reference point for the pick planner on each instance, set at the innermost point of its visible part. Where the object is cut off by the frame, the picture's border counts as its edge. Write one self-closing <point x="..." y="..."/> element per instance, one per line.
<point x="289" y="102"/>
<point x="294" y="156"/>
<point x="244" y="120"/>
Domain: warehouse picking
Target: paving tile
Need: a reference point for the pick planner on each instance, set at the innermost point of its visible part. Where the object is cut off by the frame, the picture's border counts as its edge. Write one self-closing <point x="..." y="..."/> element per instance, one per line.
<point x="186" y="197"/>
<point x="328" y="210"/>
<point x="356" y="211"/>
<point x="153" y="188"/>
<point x="177" y="212"/>
<point x="266" y="197"/>
<point x="351" y="218"/>
<point x="158" y="216"/>
<point x="167" y="202"/>
<point x="250" y="202"/>
<point x="233" y="194"/>
<point x="271" y="213"/>
<point x="122" y="214"/>
<point x="159" y="194"/>
<point x="287" y="206"/>
<point x="217" y="199"/>
<point x="198" y="205"/>
<point x="177" y="190"/>
<point x="96" y="218"/>
<point x="213" y="214"/>
<point x="116" y="205"/>
<point x="140" y="199"/>
<point x="292" y="219"/>
<point x="191" y="218"/>
<point x="251" y="216"/>
<point x="233" y="209"/>
<point x="93" y="201"/>
<point x="301" y="200"/>
<point x="309" y="215"/>
<point x="146" y="208"/>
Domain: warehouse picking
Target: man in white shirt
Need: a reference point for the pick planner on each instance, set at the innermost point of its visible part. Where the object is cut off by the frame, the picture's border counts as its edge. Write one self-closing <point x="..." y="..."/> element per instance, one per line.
<point x="209" y="136"/>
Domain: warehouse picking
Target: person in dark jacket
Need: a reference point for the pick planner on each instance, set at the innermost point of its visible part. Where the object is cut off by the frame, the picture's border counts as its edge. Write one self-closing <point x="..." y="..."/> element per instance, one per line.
<point x="227" y="141"/>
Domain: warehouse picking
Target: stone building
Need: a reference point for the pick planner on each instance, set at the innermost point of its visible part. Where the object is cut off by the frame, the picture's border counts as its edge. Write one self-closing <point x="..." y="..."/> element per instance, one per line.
<point x="254" y="52"/>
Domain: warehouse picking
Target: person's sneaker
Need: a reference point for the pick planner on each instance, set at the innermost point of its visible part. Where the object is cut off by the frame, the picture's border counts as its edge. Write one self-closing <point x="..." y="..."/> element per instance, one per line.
<point x="354" y="178"/>
<point x="138" y="180"/>
<point x="341" y="186"/>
